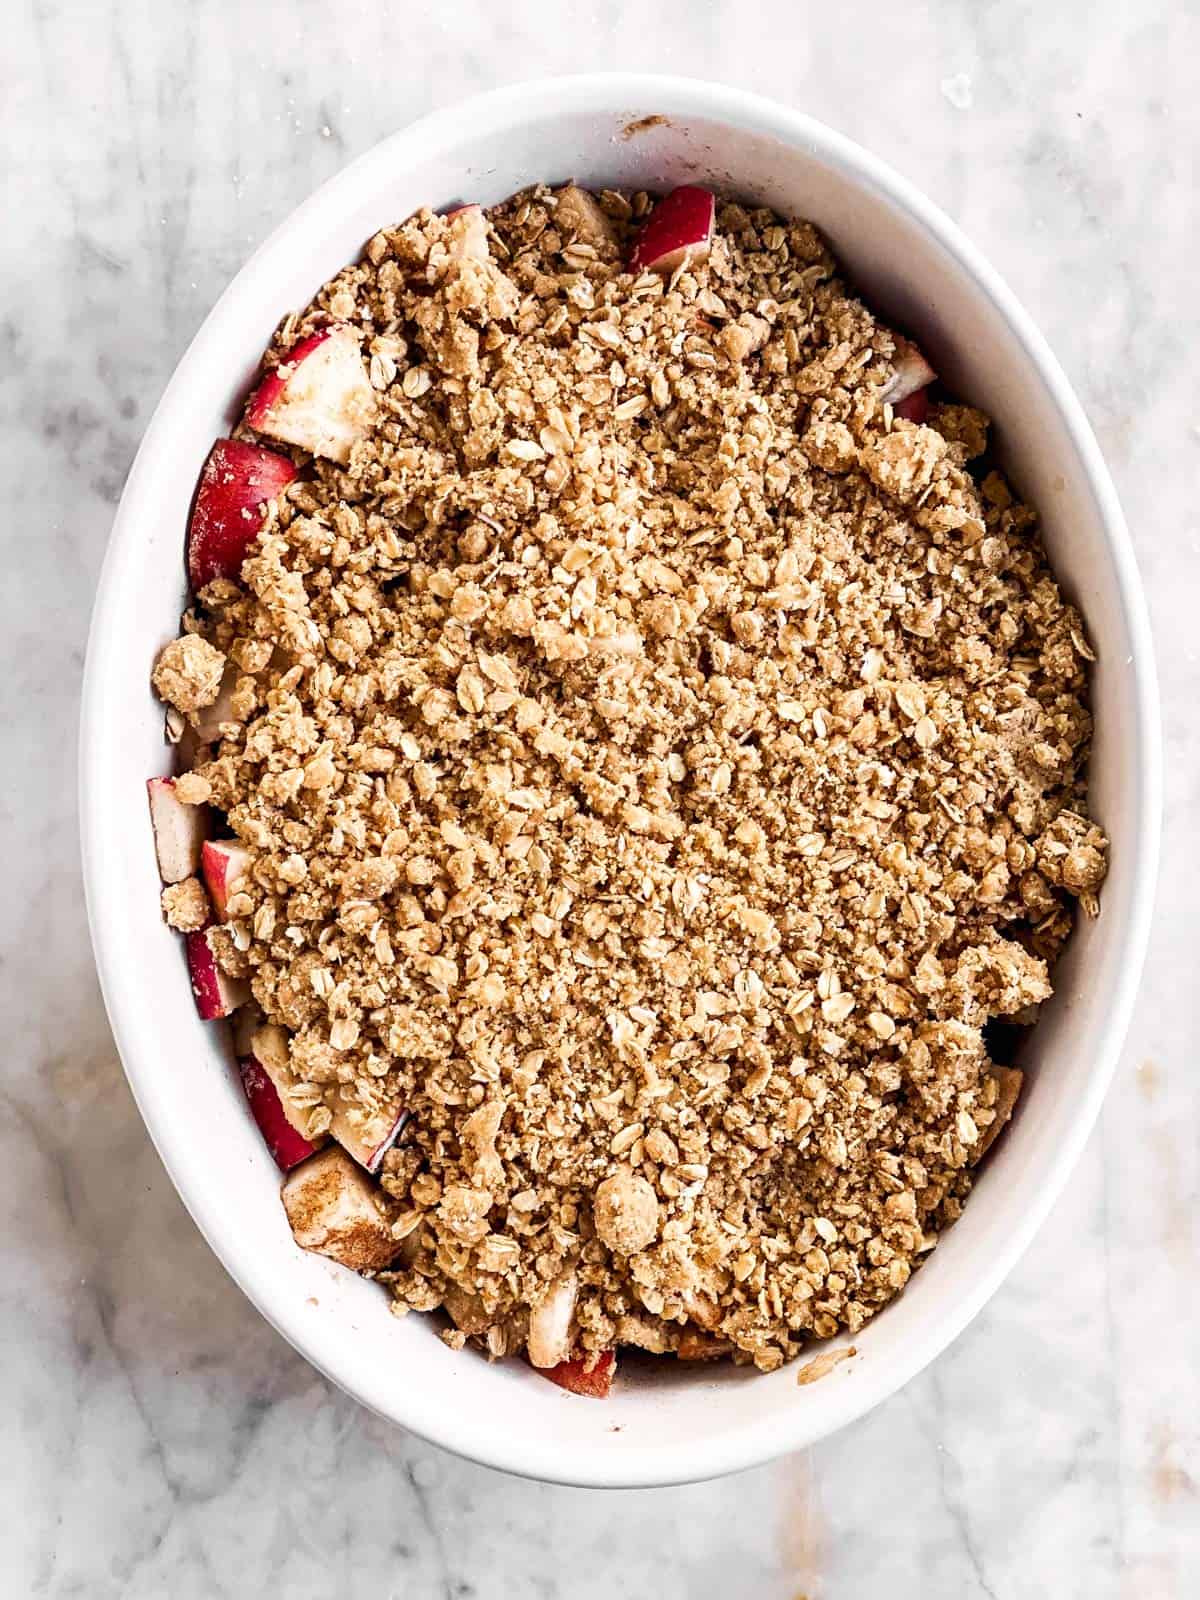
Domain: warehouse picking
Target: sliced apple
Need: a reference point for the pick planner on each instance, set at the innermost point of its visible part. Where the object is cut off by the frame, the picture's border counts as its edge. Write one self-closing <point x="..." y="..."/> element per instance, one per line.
<point x="1010" y="1080"/>
<point x="319" y="396"/>
<point x="679" y="229"/>
<point x="912" y="373"/>
<point x="579" y="1378"/>
<point x="217" y="994"/>
<point x="468" y="233"/>
<point x="208" y="720"/>
<point x="367" y="1139"/>
<point x="268" y="1081"/>
<point x="223" y="862"/>
<point x="178" y="831"/>
<point x="580" y="214"/>
<point x="236" y="484"/>
<point x="548" y="1343"/>
<point x="333" y="1210"/>
<point x="288" y="1147"/>
<point x="268" y="1045"/>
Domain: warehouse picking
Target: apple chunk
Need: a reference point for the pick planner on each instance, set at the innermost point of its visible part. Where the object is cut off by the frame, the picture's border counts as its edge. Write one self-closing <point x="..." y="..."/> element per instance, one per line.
<point x="207" y="722"/>
<point x="679" y="229"/>
<point x="579" y="214"/>
<point x="217" y="994"/>
<point x="178" y="831"/>
<point x="319" y="396"/>
<point x="223" y="862"/>
<point x="579" y="1378"/>
<point x="334" y="1210"/>
<point x="236" y="483"/>
<point x="367" y="1139"/>
<point x="912" y="373"/>
<point x="288" y="1147"/>
<point x="468" y="233"/>
<point x="548" y="1343"/>
<point x="268" y="1081"/>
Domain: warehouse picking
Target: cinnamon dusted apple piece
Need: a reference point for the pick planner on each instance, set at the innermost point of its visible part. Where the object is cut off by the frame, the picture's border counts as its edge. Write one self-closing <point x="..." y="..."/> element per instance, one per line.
<point x="580" y="216"/>
<point x="367" y="1138"/>
<point x="208" y="721"/>
<point x="336" y="1211"/>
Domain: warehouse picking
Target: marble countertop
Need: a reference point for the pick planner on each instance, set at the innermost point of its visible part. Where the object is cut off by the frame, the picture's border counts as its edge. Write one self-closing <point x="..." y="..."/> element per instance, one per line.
<point x="159" y="1439"/>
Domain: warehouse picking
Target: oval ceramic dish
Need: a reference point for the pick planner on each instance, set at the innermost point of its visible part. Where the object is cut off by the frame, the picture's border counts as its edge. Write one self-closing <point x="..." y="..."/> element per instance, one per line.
<point x="664" y="1422"/>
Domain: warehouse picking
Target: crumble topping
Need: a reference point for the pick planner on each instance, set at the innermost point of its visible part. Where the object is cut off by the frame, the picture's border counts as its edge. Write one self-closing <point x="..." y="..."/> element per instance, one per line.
<point x="187" y="674"/>
<point x="185" y="905"/>
<point x="659" y="762"/>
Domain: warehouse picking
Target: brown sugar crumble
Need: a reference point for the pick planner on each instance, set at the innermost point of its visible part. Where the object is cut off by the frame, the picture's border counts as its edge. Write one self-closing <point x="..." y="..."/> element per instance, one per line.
<point x="659" y="760"/>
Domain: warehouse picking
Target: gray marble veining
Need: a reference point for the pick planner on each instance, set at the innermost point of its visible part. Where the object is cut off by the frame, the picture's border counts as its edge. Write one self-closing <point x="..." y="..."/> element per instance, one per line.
<point x="158" y="1438"/>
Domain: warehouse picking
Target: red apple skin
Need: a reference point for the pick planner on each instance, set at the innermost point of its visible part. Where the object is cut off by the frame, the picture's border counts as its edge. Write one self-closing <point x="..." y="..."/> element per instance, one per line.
<point x="679" y="229"/>
<point x="573" y="1375"/>
<point x="288" y="1147"/>
<point x="319" y="396"/>
<point x="912" y="372"/>
<point x="217" y="995"/>
<point x="914" y="407"/>
<point x="270" y="390"/>
<point x="235" y="484"/>
<point x="222" y="863"/>
<point x="263" y="1047"/>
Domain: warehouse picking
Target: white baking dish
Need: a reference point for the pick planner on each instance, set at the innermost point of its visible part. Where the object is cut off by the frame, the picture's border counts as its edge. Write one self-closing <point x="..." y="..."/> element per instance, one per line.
<point x="666" y="1422"/>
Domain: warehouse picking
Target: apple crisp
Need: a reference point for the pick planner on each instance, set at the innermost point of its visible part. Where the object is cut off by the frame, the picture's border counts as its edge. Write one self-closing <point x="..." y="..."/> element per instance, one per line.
<point x="658" y="759"/>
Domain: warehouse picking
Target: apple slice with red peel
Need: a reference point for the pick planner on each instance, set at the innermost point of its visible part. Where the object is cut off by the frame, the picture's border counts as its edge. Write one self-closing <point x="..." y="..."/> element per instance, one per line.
<point x="268" y="1088"/>
<point x="178" y="831"/>
<point x="369" y="1139"/>
<point x="217" y="994"/>
<point x="319" y="396"/>
<point x="333" y="1210"/>
<point x="366" y="1139"/>
<point x="287" y="1146"/>
<point x="595" y="1382"/>
<point x="236" y="483"/>
<point x="679" y="229"/>
<point x="912" y="372"/>
<point x="268" y="1045"/>
<point x="223" y="862"/>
